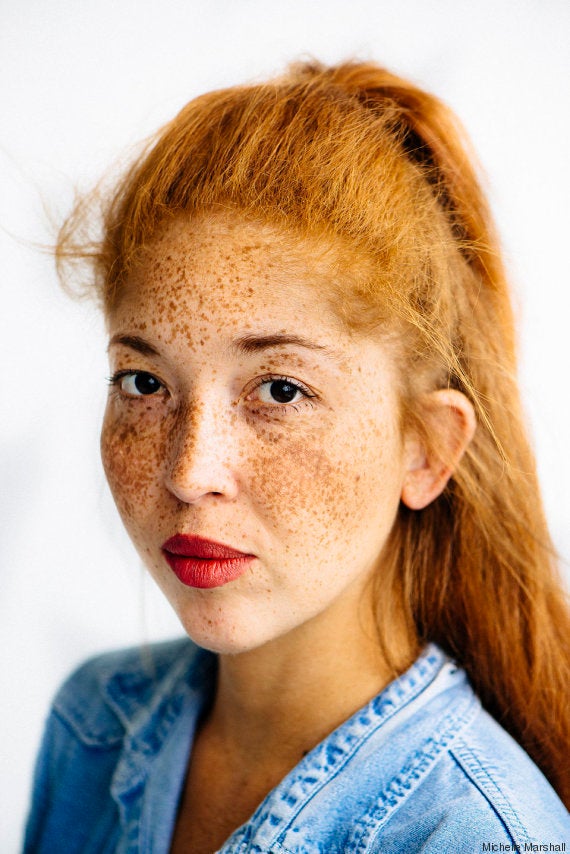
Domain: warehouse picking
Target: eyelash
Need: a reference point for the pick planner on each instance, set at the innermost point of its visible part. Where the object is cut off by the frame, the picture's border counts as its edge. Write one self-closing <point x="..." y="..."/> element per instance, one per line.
<point x="115" y="383"/>
<point x="307" y="399"/>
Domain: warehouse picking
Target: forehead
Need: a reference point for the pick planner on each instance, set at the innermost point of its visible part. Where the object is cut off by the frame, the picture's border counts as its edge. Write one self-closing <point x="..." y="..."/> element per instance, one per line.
<point x="232" y="263"/>
<point x="204" y="285"/>
<point x="212" y="288"/>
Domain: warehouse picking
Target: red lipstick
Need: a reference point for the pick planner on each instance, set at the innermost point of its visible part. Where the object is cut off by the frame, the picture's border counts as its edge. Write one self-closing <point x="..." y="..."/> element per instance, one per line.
<point x="202" y="563"/>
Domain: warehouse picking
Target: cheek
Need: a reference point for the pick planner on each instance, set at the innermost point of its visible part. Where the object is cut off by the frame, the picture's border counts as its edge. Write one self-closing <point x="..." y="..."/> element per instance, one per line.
<point x="295" y="484"/>
<point x="131" y="458"/>
<point x="329" y="485"/>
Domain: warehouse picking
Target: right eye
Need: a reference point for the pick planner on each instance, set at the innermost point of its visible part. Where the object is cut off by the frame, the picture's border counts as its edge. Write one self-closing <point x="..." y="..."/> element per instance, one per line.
<point x="136" y="383"/>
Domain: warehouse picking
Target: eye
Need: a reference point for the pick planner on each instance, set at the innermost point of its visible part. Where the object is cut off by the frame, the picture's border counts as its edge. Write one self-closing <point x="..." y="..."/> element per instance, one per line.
<point x="136" y="383"/>
<point x="279" y="392"/>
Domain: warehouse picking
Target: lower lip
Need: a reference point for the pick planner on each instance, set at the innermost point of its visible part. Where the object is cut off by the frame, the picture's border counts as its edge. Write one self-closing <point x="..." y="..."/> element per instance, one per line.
<point x="206" y="573"/>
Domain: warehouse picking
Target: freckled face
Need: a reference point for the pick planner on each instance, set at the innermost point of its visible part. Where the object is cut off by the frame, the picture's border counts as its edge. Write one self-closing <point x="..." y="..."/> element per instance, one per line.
<point x="243" y="412"/>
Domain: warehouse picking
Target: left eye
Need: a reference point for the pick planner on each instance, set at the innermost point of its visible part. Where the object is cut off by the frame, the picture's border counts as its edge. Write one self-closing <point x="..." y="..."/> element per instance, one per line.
<point x="138" y="383"/>
<point x="280" y="391"/>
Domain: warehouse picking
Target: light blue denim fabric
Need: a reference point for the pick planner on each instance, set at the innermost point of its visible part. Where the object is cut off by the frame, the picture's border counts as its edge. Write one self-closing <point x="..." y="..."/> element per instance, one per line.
<point x="421" y="768"/>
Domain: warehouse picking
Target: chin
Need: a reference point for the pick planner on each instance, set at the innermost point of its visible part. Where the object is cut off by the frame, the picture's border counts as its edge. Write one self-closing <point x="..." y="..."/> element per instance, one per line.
<point x="209" y="617"/>
<point x="225" y="620"/>
<point x="222" y="637"/>
<point x="232" y="631"/>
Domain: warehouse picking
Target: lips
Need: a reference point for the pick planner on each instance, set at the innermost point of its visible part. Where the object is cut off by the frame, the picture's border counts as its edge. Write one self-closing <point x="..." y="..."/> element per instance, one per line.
<point x="201" y="563"/>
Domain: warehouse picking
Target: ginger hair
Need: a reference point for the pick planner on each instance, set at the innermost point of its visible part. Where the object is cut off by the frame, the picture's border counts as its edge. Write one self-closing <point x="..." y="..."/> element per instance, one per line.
<point x="358" y="156"/>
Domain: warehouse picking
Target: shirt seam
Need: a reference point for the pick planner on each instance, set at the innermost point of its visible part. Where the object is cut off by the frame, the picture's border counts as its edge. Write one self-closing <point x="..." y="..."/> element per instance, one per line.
<point x="249" y="830"/>
<point x="470" y="764"/>
<point x="85" y="736"/>
<point x="402" y="785"/>
<point x="417" y="689"/>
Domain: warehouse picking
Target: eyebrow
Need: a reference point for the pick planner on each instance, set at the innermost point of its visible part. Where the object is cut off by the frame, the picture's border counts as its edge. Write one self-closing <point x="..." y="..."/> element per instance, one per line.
<point x="248" y="344"/>
<point x="135" y="343"/>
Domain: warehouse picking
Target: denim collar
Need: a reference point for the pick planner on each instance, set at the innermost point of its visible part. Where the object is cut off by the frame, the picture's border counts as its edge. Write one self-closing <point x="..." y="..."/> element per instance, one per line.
<point x="154" y="708"/>
<point x="289" y="812"/>
<point x="160" y="712"/>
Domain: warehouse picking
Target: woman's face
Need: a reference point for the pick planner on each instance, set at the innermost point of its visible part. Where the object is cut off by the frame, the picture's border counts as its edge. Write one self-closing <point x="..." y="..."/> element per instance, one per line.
<point x="242" y="412"/>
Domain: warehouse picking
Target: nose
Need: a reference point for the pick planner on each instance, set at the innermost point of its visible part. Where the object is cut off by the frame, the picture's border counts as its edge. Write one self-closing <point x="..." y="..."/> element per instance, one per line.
<point x="201" y="458"/>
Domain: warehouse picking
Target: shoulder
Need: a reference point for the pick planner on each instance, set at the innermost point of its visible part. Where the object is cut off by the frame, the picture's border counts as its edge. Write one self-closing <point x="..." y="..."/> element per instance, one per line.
<point x="504" y="776"/>
<point x="101" y="698"/>
<point x="105" y="722"/>
<point x="453" y="779"/>
<point x="482" y="793"/>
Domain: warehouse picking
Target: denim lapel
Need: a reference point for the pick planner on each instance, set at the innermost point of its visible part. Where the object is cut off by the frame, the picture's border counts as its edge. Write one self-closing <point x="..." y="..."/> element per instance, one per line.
<point x="151" y="703"/>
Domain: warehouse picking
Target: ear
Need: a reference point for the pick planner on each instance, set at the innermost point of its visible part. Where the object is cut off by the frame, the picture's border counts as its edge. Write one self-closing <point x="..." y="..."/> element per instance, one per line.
<point x="450" y="420"/>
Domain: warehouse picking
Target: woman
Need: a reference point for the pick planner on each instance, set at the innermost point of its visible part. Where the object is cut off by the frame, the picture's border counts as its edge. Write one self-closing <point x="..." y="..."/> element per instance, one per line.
<point x="313" y="437"/>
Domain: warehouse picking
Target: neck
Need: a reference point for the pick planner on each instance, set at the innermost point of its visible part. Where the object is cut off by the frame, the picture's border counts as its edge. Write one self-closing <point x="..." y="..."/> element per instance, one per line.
<point x="276" y="702"/>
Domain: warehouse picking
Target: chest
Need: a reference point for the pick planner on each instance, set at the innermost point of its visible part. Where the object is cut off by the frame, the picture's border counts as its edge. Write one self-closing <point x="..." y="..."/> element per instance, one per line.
<point x="219" y="795"/>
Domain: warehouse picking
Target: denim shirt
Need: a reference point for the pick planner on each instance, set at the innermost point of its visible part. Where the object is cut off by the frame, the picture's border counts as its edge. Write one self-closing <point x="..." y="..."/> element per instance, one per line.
<point x="420" y="768"/>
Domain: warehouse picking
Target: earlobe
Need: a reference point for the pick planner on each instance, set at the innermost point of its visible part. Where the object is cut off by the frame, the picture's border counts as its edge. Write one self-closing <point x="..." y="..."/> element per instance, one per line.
<point x="450" y="424"/>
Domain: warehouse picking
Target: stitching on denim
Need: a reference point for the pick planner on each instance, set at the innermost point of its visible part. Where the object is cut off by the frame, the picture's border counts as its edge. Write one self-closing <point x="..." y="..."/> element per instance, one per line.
<point x="403" y="784"/>
<point x="76" y="725"/>
<point x="279" y="848"/>
<point x="471" y="765"/>
<point x="390" y="706"/>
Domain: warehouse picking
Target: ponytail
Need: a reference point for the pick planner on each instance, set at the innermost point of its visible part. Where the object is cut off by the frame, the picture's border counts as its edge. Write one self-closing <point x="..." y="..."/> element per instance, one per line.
<point x="479" y="569"/>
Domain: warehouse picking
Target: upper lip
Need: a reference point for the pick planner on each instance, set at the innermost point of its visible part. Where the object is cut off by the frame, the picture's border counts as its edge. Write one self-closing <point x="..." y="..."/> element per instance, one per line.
<point x="187" y="545"/>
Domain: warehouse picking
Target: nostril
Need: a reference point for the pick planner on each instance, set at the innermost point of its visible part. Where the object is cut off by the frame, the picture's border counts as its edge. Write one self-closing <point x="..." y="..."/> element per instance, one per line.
<point x="193" y="476"/>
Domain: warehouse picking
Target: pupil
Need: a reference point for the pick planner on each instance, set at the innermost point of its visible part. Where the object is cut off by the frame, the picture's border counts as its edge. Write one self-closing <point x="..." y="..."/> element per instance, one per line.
<point x="146" y="384"/>
<point x="283" y="392"/>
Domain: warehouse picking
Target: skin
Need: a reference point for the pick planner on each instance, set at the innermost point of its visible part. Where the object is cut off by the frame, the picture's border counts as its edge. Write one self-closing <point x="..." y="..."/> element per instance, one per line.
<point x="310" y="487"/>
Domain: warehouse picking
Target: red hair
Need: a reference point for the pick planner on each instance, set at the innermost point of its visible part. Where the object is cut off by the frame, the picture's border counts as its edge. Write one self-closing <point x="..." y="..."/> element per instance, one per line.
<point x="354" y="154"/>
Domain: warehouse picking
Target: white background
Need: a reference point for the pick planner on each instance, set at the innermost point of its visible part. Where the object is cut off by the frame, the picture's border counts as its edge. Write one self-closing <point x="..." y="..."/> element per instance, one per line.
<point x="84" y="80"/>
